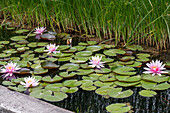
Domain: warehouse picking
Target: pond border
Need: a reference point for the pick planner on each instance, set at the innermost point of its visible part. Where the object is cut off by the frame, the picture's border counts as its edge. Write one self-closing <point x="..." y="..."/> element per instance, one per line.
<point x="15" y="102"/>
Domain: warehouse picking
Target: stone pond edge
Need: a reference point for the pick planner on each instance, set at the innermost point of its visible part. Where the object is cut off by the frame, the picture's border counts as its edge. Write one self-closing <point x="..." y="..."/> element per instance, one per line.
<point x="15" y="102"/>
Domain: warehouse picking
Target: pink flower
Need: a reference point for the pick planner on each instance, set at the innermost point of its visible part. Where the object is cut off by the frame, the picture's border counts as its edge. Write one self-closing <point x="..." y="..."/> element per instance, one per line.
<point x="155" y="68"/>
<point x="52" y="48"/>
<point x="30" y="82"/>
<point x="96" y="62"/>
<point x="40" y="30"/>
<point x="10" y="68"/>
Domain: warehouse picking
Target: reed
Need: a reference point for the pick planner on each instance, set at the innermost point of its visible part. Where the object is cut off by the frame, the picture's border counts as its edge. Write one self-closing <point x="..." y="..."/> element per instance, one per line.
<point x="125" y="21"/>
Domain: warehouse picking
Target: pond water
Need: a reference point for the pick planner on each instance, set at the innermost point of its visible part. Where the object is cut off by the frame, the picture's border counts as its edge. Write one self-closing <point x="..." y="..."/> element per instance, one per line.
<point x="89" y="102"/>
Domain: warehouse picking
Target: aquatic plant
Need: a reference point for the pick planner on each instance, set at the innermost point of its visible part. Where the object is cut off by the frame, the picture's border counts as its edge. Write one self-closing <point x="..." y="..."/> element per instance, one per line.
<point x="30" y="82"/>
<point x="155" y="68"/>
<point x="39" y="30"/>
<point x="9" y="69"/>
<point x="96" y="62"/>
<point x="51" y="48"/>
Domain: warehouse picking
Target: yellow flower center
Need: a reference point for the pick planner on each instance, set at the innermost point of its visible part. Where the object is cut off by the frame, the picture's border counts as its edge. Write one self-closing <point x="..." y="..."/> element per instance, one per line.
<point x="154" y="67"/>
<point x="51" y="47"/>
<point x="10" y="67"/>
<point x="29" y="81"/>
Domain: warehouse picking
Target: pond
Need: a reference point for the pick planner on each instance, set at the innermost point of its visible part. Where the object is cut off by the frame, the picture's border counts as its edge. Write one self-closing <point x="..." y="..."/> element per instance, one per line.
<point x="67" y="80"/>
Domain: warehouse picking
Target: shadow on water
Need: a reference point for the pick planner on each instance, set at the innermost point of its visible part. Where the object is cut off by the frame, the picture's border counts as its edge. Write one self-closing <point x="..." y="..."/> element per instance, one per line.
<point x="89" y="102"/>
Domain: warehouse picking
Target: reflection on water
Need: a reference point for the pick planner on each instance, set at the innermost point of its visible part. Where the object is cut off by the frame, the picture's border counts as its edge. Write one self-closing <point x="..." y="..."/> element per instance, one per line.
<point x="89" y="102"/>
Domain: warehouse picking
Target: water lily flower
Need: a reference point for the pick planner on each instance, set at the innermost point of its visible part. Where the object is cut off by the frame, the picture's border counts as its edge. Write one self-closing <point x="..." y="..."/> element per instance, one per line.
<point x="9" y="69"/>
<point x="39" y="30"/>
<point x="155" y="68"/>
<point x="51" y="48"/>
<point x="30" y="82"/>
<point x="96" y="61"/>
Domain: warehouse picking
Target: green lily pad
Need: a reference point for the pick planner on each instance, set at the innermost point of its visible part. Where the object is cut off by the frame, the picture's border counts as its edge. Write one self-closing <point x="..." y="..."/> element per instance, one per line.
<point x="72" y="90"/>
<point x="107" y="46"/>
<point x="32" y="44"/>
<point x="89" y="88"/>
<point x="94" y="48"/>
<point x="117" y="93"/>
<point x="126" y="63"/>
<point x="124" y="71"/>
<point x="118" y="108"/>
<point x="63" y="47"/>
<point x="40" y="93"/>
<point x="103" y="84"/>
<point x="18" y="88"/>
<point x="22" y="42"/>
<point x="39" y="71"/>
<point x="4" y="55"/>
<point x="103" y="90"/>
<point x="64" y="59"/>
<point x="167" y="64"/>
<point x="127" y="58"/>
<point x="48" y="36"/>
<point x="147" y="93"/>
<point x="67" y="75"/>
<point x="126" y="84"/>
<point x="107" y="77"/>
<point x="21" y="31"/>
<point x="143" y="55"/>
<point x="135" y="47"/>
<point x="84" y="53"/>
<point x="113" y="52"/>
<point x="92" y="77"/>
<point x="136" y="64"/>
<point x="69" y="67"/>
<point x="62" y="35"/>
<point x="4" y="42"/>
<point x="85" y="66"/>
<point x="39" y="50"/>
<point x="91" y="42"/>
<point x="107" y="60"/>
<point x="52" y="80"/>
<point x="17" y="38"/>
<point x="3" y="62"/>
<point x="54" y="87"/>
<point x="79" y="60"/>
<point x="79" y="48"/>
<point x="148" y="85"/>
<point x="10" y="51"/>
<point x="103" y="70"/>
<point x="142" y="59"/>
<point x="52" y="59"/>
<point x="71" y="50"/>
<point x="71" y="83"/>
<point x="162" y="86"/>
<point x="83" y="44"/>
<point x="8" y="83"/>
<point x="49" y="65"/>
<point x="42" y="44"/>
<point x="157" y="79"/>
<point x="31" y="35"/>
<point x="60" y="55"/>
<point x="128" y="78"/>
<point x="84" y="71"/>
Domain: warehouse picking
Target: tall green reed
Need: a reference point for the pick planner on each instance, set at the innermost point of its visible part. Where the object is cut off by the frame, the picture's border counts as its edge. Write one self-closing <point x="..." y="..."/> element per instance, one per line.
<point x="125" y="21"/>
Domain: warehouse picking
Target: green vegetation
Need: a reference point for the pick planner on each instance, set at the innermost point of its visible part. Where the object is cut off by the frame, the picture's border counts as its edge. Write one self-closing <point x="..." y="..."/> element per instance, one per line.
<point x="126" y="21"/>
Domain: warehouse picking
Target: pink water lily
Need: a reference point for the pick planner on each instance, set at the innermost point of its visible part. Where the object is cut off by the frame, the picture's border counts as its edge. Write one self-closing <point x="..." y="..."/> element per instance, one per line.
<point x="96" y="61"/>
<point x="9" y="69"/>
<point x="155" y="68"/>
<point x="30" y="82"/>
<point x="39" y="30"/>
<point x="51" y="48"/>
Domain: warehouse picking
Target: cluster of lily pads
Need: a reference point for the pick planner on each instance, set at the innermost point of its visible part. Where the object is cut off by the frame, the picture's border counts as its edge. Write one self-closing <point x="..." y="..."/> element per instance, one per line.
<point x="105" y="69"/>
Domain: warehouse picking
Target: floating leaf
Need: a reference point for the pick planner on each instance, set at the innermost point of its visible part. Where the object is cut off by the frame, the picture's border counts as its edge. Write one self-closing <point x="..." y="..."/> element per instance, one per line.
<point x="8" y="83"/>
<point x="126" y="84"/>
<point x="91" y="77"/>
<point x="135" y="47"/>
<point x="54" y="87"/>
<point x="63" y="47"/>
<point x="10" y="51"/>
<point x="83" y="44"/>
<point x="94" y="48"/>
<point x="4" y="42"/>
<point x="84" y="53"/>
<point x="143" y="55"/>
<point x="107" y="77"/>
<point x="79" y="48"/>
<point x="157" y="79"/>
<point x="102" y="84"/>
<point x="64" y="59"/>
<point x="48" y="36"/>
<point x="147" y="93"/>
<point x="118" y="108"/>
<point x="128" y="78"/>
<point x="39" y="71"/>
<point x="72" y="90"/>
<point x="72" y="83"/>
<point x="67" y="75"/>
<point x="49" y="65"/>
<point x="127" y="63"/>
<point x="21" y="31"/>
<point x="103" y="90"/>
<point x="103" y="70"/>
<point x="113" y="52"/>
<point x="52" y="80"/>
<point x="17" y="38"/>
<point x="117" y="93"/>
<point x="92" y="42"/>
<point x="84" y="71"/>
<point x="60" y="55"/>
<point x="69" y="67"/>
<point x="107" y="60"/>
<point x="124" y="71"/>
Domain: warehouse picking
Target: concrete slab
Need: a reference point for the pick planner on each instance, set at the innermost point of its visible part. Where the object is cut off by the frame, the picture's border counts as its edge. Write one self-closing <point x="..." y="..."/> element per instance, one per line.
<point x="15" y="102"/>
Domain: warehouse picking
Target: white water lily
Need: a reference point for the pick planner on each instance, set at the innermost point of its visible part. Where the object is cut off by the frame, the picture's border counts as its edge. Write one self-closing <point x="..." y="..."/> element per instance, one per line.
<point x="51" y="48"/>
<point x="30" y="82"/>
<point x="96" y="62"/>
<point x="9" y="69"/>
<point x="155" y="68"/>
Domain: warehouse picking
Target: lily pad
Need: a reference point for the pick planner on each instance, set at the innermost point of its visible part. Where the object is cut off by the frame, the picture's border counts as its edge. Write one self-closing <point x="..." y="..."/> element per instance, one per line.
<point x="39" y="71"/>
<point x="118" y="108"/>
<point x="143" y="55"/>
<point x="147" y="93"/>
<point x="103" y="84"/>
<point x="107" y="60"/>
<point x="118" y="93"/>
<point x="32" y="44"/>
<point x="48" y="36"/>
<point x="17" y="38"/>
<point x="126" y="63"/>
<point x="54" y="87"/>
<point x="4" y="42"/>
<point x="10" y="51"/>
<point x="92" y="42"/>
<point x="61" y="55"/>
<point x="39" y="50"/>
<point x="52" y="80"/>
<point x="103" y="70"/>
<point x="79" y="48"/>
<point x="124" y="71"/>
<point x="8" y="83"/>
<point x="157" y="79"/>
<point x="71" y="83"/>
<point x="94" y="48"/>
<point x="18" y="88"/>
<point x="63" y="47"/>
<point x="67" y="75"/>
<point x="49" y="65"/>
<point x="79" y="60"/>
<point x="103" y="90"/>
<point x="126" y="84"/>
<point x="4" y="55"/>
<point x="92" y="77"/>
<point x="71" y="50"/>
<point x="69" y="67"/>
<point x="64" y="59"/>
<point x="107" y="77"/>
<point x="113" y="52"/>
<point x="135" y="47"/>
<point x="21" y="31"/>
<point x="84" y="53"/>
<point x="84" y="71"/>
<point x="128" y="78"/>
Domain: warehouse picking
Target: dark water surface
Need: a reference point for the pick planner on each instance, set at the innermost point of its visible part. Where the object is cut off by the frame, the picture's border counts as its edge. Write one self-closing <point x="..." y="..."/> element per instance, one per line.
<point x="89" y="102"/>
